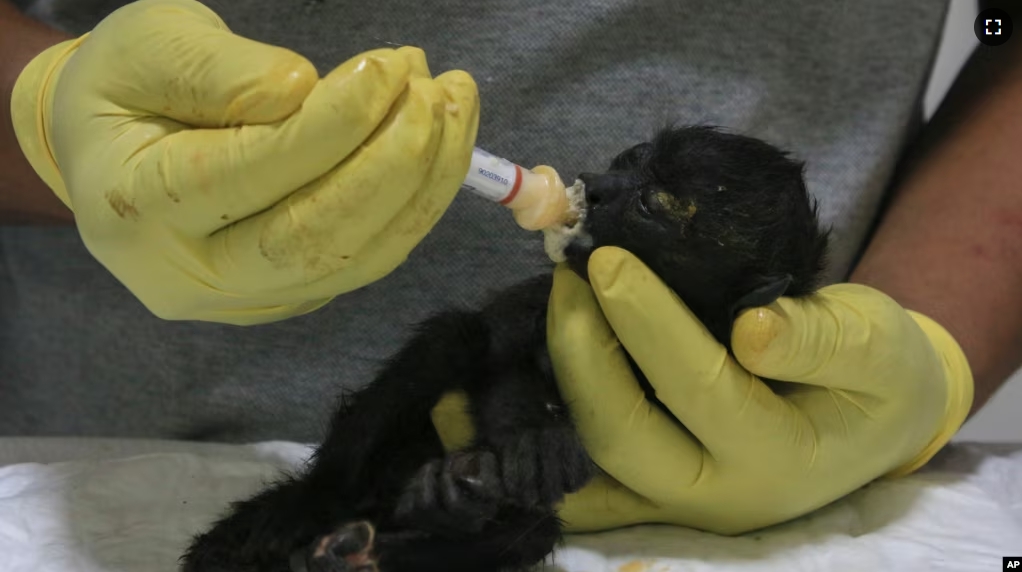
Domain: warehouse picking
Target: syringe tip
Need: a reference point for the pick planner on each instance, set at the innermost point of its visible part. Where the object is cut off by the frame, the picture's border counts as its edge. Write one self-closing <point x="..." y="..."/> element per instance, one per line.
<point x="543" y="201"/>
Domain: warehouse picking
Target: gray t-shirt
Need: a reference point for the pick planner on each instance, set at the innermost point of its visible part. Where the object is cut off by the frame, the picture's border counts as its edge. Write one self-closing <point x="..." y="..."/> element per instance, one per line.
<point x="567" y="83"/>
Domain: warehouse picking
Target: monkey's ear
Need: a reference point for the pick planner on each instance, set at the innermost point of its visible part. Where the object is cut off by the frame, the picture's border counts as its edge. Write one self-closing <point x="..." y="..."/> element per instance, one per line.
<point x="770" y="289"/>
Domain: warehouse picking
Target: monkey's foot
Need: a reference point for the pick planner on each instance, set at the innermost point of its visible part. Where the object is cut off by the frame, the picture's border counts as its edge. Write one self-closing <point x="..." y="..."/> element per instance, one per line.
<point x="452" y="496"/>
<point x="347" y="549"/>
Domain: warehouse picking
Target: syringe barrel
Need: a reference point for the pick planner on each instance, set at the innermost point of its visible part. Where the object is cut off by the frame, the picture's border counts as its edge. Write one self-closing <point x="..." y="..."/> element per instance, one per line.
<point x="492" y="177"/>
<point x="536" y="196"/>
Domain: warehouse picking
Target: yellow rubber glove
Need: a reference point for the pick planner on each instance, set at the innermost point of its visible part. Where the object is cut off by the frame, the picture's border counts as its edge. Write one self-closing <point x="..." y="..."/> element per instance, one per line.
<point x="876" y="390"/>
<point x="221" y="179"/>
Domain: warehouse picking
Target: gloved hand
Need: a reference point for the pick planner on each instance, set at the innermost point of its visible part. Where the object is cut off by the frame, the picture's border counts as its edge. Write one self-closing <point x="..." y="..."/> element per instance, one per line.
<point x="221" y="179"/>
<point x="874" y="390"/>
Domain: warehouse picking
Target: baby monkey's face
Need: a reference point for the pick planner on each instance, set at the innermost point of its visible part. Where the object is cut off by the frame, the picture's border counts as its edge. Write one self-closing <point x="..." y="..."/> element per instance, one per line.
<point x="724" y="220"/>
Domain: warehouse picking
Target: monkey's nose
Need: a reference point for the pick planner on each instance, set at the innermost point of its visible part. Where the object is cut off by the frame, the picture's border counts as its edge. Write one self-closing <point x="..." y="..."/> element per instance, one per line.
<point x="603" y="188"/>
<point x="595" y="189"/>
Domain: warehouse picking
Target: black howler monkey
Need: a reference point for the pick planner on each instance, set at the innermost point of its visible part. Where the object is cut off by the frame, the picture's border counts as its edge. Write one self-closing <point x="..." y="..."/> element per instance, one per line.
<point x="724" y="220"/>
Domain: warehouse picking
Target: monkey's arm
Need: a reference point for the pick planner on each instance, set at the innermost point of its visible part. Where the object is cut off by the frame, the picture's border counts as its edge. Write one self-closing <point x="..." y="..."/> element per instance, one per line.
<point x="521" y="449"/>
<point x="950" y="245"/>
<point x="519" y="412"/>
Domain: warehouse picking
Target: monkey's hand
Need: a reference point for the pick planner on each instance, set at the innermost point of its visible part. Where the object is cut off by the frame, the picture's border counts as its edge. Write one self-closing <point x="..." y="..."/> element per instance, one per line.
<point x="222" y="179"/>
<point x="875" y="390"/>
<point x="531" y="467"/>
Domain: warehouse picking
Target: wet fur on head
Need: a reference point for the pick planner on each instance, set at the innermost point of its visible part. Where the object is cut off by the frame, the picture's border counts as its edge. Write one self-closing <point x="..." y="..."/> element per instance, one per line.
<point x="725" y="220"/>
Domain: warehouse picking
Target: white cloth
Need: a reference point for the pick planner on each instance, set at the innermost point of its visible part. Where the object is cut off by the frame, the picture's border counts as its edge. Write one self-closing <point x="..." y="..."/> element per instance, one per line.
<point x="131" y="506"/>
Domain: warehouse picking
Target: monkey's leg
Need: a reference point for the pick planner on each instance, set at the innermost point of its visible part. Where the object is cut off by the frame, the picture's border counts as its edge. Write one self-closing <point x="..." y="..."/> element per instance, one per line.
<point x="262" y="533"/>
<point x="259" y="534"/>
<point x="377" y="439"/>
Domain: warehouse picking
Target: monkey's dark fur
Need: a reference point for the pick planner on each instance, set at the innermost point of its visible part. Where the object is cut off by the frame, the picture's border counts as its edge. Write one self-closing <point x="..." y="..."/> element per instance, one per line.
<point x="724" y="220"/>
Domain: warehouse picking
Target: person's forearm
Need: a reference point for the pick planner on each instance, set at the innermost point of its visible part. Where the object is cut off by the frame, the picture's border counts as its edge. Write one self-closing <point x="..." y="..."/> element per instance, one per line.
<point x="24" y="198"/>
<point x="950" y="245"/>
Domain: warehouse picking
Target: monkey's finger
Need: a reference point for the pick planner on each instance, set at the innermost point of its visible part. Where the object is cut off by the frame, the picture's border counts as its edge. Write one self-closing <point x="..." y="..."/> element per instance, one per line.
<point x="623" y="433"/>
<point x="726" y="407"/>
<point x="847" y="336"/>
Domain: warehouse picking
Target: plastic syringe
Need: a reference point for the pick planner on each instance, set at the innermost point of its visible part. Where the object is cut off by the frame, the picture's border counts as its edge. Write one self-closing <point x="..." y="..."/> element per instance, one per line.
<point x="536" y="197"/>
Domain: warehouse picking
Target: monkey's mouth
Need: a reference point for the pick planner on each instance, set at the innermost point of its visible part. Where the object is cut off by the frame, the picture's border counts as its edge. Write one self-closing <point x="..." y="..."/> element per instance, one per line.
<point x="581" y="244"/>
<point x="577" y="253"/>
<point x="560" y="238"/>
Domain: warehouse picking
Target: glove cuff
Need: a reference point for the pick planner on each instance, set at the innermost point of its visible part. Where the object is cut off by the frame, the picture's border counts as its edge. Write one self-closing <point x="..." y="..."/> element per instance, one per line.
<point x="31" y="112"/>
<point x="959" y="392"/>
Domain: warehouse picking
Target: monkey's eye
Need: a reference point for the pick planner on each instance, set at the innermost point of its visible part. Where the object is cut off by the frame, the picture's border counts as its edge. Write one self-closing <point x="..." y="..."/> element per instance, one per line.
<point x="644" y="204"/>
<point x="661" y="204"/>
